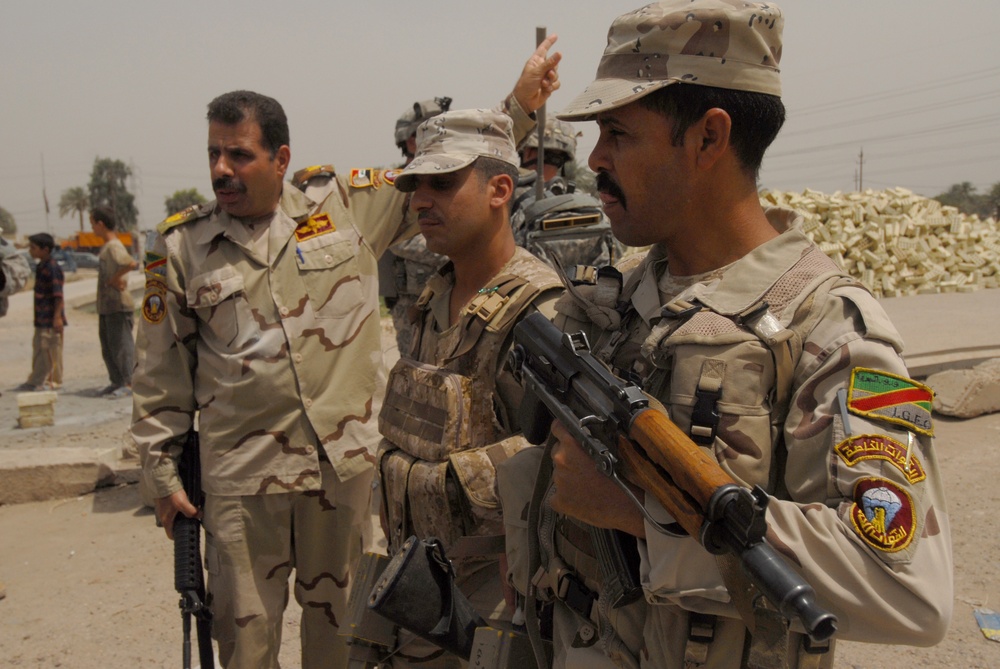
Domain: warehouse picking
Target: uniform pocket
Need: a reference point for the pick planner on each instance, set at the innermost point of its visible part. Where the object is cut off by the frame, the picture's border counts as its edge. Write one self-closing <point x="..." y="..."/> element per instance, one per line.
<point x="219" y="300"/>
<point x="330" y="270"/>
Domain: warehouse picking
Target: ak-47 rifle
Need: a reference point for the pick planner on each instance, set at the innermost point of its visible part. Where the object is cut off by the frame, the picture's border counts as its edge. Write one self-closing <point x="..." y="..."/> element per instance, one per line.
<point x="189" y="579"/>
<point x="614" y="423"/>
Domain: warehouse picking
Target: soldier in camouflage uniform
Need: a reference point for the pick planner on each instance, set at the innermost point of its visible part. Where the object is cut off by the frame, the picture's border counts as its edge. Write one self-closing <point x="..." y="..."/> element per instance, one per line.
<point x="440" y="448"/>
<point x="260" y="325"/>
<point x="406" y="267"/>
<point x="567" y="226"/>
<point x="14" y="273"/>
<point x="770" y="357"/>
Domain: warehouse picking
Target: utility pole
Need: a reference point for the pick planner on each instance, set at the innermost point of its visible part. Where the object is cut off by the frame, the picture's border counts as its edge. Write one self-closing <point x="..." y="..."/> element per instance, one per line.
<point x="45" y="197"/>
<point x="861" y="170"/>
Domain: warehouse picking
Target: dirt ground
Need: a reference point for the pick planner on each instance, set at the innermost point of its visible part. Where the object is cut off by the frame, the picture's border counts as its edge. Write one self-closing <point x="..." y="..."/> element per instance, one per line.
<point x="88" y="581"/>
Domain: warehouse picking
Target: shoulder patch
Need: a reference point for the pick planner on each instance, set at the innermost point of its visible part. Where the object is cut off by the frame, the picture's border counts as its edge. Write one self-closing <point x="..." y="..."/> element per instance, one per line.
<point x="883" y="515"/>
<point x="879" y="395"/>
<point x="362" y="177"/>
<point x="302" y="177"/>
<point x="389" y="176"/>
<point x="154" y="303"/>
<point x="192" y="213"/>
<point x="881" y="447"/>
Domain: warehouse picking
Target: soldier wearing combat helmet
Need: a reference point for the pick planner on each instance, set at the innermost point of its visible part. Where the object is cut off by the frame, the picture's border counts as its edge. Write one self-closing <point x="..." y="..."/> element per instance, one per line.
<point x="559" y="140"/>
<point x="404" y="270"/>
<point x="780" y="366"/>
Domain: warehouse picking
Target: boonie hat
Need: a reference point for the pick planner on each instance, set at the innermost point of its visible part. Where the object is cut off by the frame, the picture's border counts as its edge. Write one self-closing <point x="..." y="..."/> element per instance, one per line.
<point x="450" y="141"/>
<point x="722" y="43"/>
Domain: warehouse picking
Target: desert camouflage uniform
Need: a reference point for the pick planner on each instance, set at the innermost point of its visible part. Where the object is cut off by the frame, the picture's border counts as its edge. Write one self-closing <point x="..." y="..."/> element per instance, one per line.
<point x="857" y="502"/>
<point x="278" y="351"/>
<point x="437" y="473"/>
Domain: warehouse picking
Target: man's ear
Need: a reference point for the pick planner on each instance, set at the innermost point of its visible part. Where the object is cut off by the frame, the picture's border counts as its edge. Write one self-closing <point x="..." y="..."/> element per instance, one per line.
<point x="712" y="137"/>
<point x="502" y="190"/>
<point x="283" y="157"/>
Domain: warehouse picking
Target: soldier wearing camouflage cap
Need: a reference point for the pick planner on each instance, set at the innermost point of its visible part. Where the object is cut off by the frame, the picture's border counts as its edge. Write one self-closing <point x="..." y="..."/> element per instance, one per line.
<point x="436" y="461"/>
<point x="769" y="356"/>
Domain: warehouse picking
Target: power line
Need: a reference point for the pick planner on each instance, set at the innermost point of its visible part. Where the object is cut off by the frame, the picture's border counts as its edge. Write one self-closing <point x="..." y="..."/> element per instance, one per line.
<point x="899" y="92"/>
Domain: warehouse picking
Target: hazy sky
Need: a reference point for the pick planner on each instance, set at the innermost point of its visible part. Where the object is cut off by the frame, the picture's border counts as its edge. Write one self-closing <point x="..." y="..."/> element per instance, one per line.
<point x="915" y="84"/>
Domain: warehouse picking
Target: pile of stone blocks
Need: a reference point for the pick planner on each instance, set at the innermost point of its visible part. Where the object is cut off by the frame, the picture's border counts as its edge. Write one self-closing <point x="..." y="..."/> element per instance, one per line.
<point x="898" y="243"/>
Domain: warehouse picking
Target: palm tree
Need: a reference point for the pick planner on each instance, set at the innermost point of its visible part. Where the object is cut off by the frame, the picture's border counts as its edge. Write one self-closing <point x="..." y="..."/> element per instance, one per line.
<point x="74" y="199"/>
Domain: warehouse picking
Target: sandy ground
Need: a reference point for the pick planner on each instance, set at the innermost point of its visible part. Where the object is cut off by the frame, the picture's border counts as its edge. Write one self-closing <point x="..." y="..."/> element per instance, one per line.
<point x="88" y="581"/>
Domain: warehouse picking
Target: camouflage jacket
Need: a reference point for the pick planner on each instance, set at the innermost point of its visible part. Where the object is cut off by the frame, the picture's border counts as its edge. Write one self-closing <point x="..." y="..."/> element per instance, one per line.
<point x="280" y="356"/>
<point x="814" y="405"/>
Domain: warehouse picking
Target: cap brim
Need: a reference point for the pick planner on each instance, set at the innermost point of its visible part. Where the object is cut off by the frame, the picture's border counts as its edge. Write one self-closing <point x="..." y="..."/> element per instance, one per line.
<point x="440" y="163"/>
<point x="606" y="94"/>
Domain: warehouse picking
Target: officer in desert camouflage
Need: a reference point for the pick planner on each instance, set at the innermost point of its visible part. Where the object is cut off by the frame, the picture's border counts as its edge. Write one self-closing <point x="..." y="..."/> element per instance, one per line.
<point x="260" y="322"/>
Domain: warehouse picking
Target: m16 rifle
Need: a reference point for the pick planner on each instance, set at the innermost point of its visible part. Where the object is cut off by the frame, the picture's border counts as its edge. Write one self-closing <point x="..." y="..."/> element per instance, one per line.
<point x="616" y="426"/>
<point x="189" y="579"/>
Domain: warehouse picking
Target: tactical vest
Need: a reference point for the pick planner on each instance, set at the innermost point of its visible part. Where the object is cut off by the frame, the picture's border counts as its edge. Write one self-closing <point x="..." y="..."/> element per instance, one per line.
<point x="566" y="226"/>
<point x="444" y="432"/>
<point x="724" y="378"/>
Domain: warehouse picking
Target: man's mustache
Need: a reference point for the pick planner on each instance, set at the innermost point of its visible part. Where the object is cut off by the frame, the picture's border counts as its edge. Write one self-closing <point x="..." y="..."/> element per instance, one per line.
<point x="605" y="184"/>
<point x="228" y="183"/>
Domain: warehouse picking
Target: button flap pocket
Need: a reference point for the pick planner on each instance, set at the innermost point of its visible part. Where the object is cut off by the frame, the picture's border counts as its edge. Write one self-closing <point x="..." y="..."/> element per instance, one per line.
<point x="211" y="288"/>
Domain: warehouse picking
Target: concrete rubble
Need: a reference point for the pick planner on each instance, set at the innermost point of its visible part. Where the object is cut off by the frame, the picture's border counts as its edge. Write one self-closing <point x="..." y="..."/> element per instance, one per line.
<point x="898" y="243"/>
<point x="967" y="393"/>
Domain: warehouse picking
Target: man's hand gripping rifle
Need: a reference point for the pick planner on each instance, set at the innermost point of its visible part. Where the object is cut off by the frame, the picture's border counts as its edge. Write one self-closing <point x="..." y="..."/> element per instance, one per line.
<point x="614" y="423"/>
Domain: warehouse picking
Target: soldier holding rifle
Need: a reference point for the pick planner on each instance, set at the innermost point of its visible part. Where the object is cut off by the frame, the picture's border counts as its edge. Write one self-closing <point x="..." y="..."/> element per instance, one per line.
<point x="785" y="371"/>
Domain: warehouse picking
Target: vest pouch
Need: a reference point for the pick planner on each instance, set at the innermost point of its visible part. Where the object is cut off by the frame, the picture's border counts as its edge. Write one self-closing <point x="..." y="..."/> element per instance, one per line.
<point x="426" y="411"/>
<point x="516" y="484"/>
<point x="737" y="378"/>
<point x="394" y="472"/>
<point x="475" y="472"/>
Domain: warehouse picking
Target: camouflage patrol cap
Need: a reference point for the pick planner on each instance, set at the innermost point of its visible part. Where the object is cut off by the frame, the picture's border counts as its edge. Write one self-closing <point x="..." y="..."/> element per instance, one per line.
<point x="722" y="43"/>
<point x="453" y="140"/>
<point x="411" y="119"/>
<point x="559" y="136"/>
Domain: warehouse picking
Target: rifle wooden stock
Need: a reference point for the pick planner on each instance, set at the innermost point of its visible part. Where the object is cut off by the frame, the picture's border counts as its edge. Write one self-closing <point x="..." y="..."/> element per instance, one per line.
<point x="673" y="468"/>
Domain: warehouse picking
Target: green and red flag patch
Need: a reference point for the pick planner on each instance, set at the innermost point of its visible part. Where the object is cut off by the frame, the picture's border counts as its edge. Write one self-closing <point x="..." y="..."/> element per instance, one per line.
<point x="895" y="399"/>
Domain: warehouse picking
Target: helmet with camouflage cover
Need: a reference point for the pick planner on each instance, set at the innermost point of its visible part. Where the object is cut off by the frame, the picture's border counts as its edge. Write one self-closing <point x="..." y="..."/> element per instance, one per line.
<point x="406" y="125"/>
<point x="559" y="136"/>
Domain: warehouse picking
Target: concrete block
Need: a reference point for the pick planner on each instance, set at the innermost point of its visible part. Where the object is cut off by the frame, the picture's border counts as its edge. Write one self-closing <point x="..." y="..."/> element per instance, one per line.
<point x="36" y="409"/>
<point x="54" y="473"/>
<point x="966" y="393"/>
